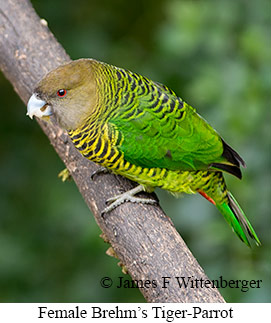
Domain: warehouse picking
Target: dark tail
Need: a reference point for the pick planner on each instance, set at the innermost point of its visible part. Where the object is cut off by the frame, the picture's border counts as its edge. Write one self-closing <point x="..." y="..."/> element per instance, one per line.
<point x="237" y="219"/>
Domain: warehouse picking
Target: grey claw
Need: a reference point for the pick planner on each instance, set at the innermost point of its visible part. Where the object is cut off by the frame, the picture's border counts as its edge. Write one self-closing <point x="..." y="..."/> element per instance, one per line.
<point x="128" y="196"/>
<point x="99" y="171"/>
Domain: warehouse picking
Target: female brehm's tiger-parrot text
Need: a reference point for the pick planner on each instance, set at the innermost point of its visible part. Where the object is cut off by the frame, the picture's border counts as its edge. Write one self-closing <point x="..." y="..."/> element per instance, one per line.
<point x="142" y="130"/>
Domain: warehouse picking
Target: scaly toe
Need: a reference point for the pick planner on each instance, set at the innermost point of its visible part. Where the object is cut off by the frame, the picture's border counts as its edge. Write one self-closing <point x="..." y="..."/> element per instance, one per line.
<point x="128" y="196"/>
<point x="64" y="175"/>
<point x="113" y="199"/>
<point x="120" y="199"/>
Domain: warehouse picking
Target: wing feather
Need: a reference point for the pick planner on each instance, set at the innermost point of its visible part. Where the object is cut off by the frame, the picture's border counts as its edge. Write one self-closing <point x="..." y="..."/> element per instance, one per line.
<point x="160" y="130"/>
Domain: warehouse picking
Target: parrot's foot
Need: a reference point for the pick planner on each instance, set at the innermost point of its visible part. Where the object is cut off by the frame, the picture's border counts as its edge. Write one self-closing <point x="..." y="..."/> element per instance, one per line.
<point x="127" y="197"/>
<point x="64" y="175"/>
<point x="111" y="252"/>
<point x="99" y="171"/>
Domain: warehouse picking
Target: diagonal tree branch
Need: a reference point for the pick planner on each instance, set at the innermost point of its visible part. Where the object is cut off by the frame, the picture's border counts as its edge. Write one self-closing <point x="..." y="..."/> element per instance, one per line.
<point x="142" y="236"/>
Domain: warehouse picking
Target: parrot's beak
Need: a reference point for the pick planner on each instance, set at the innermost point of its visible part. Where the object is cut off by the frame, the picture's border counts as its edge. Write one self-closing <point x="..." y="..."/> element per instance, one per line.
<point x="37" y="107"/>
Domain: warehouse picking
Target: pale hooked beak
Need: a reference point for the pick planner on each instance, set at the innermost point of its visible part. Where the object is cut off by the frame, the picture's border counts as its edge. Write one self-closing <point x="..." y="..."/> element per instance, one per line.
<point x="37" y="107"/>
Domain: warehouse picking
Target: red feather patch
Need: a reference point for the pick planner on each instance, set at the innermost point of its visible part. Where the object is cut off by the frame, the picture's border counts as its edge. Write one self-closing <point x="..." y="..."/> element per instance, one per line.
<point x="207" y="197"/>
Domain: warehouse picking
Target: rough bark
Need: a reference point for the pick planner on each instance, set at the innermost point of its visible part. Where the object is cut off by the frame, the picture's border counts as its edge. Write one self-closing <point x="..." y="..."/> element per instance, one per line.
<point x="142" y="236"/>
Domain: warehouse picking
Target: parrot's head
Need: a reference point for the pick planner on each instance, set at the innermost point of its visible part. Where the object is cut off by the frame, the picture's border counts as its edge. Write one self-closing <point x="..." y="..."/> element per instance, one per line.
<point x="69" y="93"/>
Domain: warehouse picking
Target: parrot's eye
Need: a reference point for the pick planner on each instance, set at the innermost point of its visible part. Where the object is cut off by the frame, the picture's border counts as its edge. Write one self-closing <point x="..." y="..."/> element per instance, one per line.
<point x="61" y="93"/>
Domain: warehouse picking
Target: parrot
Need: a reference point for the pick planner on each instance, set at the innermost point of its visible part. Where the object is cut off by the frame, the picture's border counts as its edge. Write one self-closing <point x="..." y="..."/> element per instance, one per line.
<point x="132" y="126"/>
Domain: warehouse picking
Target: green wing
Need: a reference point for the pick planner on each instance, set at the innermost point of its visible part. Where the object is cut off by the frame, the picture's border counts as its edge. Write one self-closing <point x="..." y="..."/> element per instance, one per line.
<point x="158" y="129"/>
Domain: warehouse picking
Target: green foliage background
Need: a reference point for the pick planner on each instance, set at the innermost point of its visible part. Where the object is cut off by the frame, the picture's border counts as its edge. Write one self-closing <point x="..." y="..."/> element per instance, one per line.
<point x="215" y="55"/>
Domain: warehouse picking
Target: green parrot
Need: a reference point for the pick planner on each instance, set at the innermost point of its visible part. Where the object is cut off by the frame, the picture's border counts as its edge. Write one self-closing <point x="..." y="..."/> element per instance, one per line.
<point x="142" y="130"/>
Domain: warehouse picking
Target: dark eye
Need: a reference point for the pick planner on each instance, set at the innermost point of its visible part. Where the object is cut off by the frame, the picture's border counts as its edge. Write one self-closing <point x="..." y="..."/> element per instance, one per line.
<point x="61" y="93"/>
